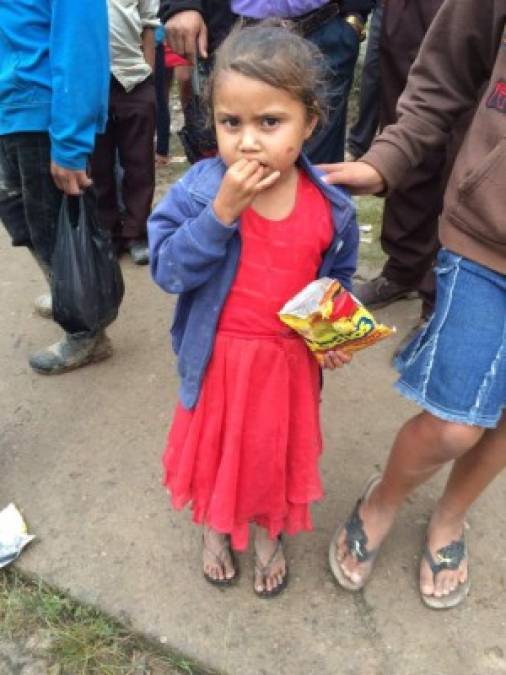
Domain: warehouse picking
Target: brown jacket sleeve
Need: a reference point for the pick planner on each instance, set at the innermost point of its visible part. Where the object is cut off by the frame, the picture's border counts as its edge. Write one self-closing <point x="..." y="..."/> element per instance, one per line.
<point x="455" y="61"/>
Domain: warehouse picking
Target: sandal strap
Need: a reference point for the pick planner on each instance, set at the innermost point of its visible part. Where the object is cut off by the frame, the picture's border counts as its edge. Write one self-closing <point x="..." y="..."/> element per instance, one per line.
<point x="220" y="556"/>
<point x="356" y="538"/>
<point x="448" y="557"/>
<point x="265" y="569"/>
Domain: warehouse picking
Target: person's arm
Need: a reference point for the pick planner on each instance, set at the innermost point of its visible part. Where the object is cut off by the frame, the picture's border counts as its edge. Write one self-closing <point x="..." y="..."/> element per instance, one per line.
<point x="170" y="7"/>
<point x="187" y="242"/>
<point x="148" y="12"/>
<point x="148" y="47"/>
<point x="80" y="86"/>
<point x="454" y="62"/>
<point x="187" y="34"/>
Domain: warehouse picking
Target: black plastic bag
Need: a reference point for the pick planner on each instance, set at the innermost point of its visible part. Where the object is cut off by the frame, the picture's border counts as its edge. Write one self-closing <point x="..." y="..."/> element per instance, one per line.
<point x="87" y="284"/>
<point x="197" y="136"/>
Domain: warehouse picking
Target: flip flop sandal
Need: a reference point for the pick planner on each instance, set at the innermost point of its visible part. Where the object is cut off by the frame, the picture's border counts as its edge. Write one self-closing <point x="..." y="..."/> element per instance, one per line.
<point x="265" y="570"/>
<point x="219" y="559"/>
<point x="447" y="558"/>
<point x="356" y="541"/>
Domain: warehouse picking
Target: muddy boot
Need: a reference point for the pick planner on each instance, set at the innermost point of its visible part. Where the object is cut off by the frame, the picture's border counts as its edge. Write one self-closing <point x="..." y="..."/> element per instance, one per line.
<point x="71" y="352"/>
<point x="43" y="305"/>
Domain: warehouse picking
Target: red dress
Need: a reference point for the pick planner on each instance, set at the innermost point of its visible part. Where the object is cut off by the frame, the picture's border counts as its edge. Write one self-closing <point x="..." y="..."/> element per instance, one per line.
<point x="249" y="450"/>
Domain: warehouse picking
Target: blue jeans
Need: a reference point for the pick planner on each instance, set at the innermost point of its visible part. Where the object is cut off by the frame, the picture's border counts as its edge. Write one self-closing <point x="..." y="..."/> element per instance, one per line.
<point x="456" y="368"/>
<point x="339" y="44"/>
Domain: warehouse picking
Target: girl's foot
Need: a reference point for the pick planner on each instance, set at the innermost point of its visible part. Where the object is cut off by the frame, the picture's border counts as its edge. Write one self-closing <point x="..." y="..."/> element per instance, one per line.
<point x="271" y="572"/>
<point x="446" y="583"/>
<point x="354" y="548"/>
<point x="218" y="562"/>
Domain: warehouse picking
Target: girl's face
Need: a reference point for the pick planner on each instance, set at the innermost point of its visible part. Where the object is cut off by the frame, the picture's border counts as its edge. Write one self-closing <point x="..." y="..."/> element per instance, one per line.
<point x="256" y="121"/>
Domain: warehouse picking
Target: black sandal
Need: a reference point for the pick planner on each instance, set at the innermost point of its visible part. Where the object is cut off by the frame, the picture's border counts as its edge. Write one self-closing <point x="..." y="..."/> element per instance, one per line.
<point x="448" y="557"/>
<point x="220" y="561"/>
<point x="265" y="571"/>
<point x="356" y="541"/>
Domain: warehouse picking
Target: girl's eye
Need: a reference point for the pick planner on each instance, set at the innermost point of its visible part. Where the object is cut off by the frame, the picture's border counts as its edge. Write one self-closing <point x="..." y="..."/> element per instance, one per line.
<point x="230" y="122"/>
<point x="270" y="122"/>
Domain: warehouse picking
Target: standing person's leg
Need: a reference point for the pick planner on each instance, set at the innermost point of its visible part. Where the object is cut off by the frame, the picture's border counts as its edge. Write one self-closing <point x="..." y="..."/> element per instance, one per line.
<point x="163" y="78"/>
<point x="409" y="228"/>
<point x="470" y="476"/>
<point x="463" y="392"/>
<point x="423" y="445"/>
<point x="29" y="199"/>
<point x="136" y="118"/>
<point x="102" y="162"/>
<point x="339" y="44"/>
<point x="29" y="206"/>
<point x="363" y="131"/>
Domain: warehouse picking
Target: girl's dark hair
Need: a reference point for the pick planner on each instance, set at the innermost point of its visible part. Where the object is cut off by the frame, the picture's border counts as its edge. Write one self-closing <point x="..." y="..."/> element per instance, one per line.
<point x="270" y="51"/>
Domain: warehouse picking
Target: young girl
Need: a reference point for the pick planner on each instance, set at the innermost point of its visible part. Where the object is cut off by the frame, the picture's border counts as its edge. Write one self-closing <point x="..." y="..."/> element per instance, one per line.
<point x="236" y="237"/>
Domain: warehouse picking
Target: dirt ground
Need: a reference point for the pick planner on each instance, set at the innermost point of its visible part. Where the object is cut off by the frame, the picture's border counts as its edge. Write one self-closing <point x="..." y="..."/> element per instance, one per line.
<point x="80" y="456"/>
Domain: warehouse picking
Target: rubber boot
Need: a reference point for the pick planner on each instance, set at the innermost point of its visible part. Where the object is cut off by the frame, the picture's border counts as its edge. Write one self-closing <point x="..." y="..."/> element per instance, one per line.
<point x="71" y="352"/>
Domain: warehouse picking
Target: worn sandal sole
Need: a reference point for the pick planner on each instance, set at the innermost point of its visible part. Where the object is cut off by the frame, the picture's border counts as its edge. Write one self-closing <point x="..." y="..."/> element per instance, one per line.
<point x="266" y="595"/>
<point x="225" y="582"/>
<point x="448" y="601"/>
<point x="335" y="566"/>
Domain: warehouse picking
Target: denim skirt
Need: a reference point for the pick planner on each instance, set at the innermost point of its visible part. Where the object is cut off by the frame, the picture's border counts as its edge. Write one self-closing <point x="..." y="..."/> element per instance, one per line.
<point x="455" y="368"/>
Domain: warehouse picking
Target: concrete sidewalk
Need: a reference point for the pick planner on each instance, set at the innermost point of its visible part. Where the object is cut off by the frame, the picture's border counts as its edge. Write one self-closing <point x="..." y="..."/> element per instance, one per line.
<point x="80" y="455"/>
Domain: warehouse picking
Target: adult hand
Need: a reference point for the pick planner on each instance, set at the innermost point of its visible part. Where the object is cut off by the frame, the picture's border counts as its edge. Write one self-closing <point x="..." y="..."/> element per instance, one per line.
<point x="242" y="182"/>
<point x="336" y="358"/>
<point x="185" y="31"/>
<point x="359" y="177"/>
<point x="70" y="181"/>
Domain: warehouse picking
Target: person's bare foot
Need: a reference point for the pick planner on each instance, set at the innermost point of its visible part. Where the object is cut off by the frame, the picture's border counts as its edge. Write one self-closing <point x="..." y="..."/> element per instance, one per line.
<point x="376" y="522"/>
<point x="270" y="564"/>
<point x="218" y="565"/>
<point x="440" y="533"/>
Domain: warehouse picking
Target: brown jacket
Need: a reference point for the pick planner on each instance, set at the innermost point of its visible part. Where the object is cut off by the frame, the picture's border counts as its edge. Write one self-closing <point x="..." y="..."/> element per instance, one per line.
<point x="461" y="64"/>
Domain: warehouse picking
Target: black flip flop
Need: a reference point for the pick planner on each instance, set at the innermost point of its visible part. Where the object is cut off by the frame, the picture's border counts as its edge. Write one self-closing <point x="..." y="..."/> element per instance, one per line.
<point x="356" y="541"/>
<point x="264" y="571"/>
<point x="447" y="558"/>
<point x="220" y="562"/>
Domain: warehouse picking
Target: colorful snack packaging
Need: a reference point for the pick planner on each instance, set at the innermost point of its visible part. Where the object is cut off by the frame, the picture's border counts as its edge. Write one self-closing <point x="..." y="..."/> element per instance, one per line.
<point x="329" y="317"/>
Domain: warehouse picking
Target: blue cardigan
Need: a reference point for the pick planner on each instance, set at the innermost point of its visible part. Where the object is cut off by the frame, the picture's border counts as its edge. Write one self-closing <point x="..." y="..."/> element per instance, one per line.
<point x="195" y="255"/>
<point x="54" y="73"/>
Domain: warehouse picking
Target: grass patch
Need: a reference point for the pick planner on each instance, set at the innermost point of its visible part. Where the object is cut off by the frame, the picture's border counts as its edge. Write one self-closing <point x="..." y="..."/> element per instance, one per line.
<point x="76" y="638"/>
<point x="370" y="212"/>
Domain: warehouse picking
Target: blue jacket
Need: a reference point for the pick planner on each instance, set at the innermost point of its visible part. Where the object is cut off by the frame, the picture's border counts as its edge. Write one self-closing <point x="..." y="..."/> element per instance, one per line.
<point x="195" y="255"/>
<point x="54" y="73"/>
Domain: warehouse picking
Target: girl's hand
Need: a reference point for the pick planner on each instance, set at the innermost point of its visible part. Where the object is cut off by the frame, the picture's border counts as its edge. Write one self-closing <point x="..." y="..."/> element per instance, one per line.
<point x="336" y="359"/>
<point x="242" y="182"/>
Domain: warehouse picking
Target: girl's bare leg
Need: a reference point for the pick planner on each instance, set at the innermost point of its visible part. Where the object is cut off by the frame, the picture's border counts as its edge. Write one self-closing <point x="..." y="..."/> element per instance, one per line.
<point x="470" y="475"/>
<point x="423" y="445"/>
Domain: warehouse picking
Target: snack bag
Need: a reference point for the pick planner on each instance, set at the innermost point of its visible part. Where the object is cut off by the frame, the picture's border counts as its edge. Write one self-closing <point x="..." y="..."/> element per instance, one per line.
<point x="329" y="317"/>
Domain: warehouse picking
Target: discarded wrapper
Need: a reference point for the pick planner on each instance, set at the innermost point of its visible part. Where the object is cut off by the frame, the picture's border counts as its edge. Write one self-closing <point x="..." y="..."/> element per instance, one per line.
<point x="329" y="317"/>
<point x="13" y="535"/>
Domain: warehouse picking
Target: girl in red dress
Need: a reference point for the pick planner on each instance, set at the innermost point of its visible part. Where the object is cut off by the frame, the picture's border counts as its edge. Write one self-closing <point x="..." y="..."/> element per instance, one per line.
<point x="237" y="237"/>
